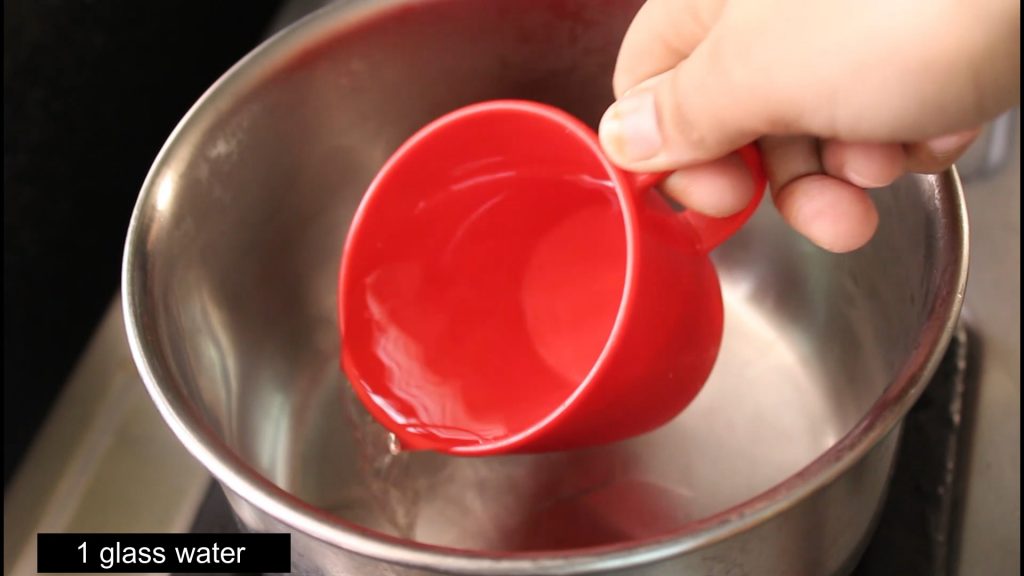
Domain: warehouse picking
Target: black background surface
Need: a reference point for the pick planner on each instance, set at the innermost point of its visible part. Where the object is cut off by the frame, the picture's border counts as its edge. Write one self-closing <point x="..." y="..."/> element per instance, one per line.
<point x="92" y="89"/>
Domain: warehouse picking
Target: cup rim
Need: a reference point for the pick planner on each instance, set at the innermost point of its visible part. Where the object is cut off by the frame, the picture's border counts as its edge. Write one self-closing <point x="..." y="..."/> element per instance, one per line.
<point x="242" y="479"/>
<point x="625" y="197"/>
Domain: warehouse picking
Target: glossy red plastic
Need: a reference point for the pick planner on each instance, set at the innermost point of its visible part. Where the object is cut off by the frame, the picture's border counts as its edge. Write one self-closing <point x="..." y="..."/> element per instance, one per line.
<point x="505" y="288"/>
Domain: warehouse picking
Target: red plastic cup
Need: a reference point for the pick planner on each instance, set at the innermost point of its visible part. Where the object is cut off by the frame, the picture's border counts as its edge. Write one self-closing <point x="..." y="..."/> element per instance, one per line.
<point x="506" y="288"/>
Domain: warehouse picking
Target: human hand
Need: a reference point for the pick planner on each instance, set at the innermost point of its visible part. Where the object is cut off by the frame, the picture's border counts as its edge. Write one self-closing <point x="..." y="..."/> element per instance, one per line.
<point x="840" y="95"/>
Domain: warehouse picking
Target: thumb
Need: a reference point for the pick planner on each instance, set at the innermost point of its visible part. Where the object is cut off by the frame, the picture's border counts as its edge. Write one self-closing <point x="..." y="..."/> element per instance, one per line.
<point x="698" y="111"/>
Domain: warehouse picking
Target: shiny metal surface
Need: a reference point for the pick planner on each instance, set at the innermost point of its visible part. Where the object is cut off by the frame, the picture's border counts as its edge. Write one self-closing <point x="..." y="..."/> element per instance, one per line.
<point x="229" y="284"/>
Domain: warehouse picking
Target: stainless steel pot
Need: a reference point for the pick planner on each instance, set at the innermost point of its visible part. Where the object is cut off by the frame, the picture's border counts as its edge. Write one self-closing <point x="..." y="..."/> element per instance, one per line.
<point x="779" y="466"/>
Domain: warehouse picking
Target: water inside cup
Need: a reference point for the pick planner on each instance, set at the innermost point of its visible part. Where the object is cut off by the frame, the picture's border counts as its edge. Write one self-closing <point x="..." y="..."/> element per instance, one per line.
<point x="491" y="305"/>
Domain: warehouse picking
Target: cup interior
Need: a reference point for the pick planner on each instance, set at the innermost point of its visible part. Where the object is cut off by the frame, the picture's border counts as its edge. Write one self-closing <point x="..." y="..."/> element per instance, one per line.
<point x="482" y="277"/>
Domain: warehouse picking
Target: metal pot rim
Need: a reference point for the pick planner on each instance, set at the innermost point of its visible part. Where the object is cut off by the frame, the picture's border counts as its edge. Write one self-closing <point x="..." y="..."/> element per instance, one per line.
<point x="245" y="481"/>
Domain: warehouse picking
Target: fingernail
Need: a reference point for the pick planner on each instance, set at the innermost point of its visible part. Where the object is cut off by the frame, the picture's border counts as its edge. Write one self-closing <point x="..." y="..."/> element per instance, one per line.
<point x="629" y="129"/>
<point x="950" y="143"/>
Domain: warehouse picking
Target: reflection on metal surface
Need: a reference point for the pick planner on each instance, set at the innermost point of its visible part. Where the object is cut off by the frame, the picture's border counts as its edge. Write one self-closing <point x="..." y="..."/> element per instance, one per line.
<point x="164" y="193"/>
<point x="917" y="527"/>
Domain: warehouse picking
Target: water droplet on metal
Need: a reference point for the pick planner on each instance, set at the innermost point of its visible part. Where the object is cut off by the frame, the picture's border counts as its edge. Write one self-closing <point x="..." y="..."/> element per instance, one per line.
<point x="394" y="446"/>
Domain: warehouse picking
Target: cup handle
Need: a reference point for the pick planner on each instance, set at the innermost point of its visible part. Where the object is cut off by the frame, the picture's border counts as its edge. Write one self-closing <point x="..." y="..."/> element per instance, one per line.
<point x="710" y="230"/>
